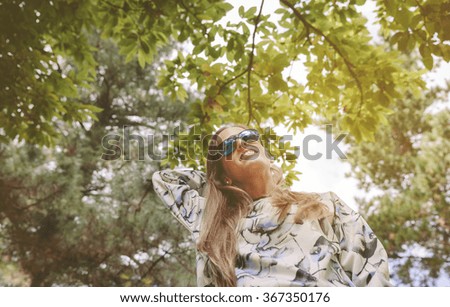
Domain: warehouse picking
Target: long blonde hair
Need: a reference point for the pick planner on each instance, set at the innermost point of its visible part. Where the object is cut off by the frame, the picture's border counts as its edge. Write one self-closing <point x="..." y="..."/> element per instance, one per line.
<point x="226" y="205"/>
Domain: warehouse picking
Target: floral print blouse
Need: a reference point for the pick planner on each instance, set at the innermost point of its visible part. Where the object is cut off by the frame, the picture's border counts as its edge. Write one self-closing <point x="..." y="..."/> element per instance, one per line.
<point x="342" y="251"/>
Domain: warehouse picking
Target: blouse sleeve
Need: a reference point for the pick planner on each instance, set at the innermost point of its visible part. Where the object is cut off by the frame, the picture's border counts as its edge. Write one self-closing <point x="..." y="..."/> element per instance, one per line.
<point x="181" y="191"/>
<point x="363" y="257"/>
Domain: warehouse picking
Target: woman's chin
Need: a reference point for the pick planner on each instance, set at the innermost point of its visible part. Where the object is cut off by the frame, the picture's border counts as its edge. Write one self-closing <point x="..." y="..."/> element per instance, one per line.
<point x="256" y="164"/>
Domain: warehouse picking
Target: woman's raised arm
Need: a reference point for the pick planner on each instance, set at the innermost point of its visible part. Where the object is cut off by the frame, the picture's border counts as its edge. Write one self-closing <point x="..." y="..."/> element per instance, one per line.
<point x="181" y="191"/>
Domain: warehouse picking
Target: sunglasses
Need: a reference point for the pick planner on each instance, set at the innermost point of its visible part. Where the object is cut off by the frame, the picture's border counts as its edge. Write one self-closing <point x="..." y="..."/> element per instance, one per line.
<point x="248" y="136"/>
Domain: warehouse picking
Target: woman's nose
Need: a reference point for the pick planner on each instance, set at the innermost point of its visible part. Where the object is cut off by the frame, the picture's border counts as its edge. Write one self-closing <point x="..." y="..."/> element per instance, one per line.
<point x="239" y="144"/>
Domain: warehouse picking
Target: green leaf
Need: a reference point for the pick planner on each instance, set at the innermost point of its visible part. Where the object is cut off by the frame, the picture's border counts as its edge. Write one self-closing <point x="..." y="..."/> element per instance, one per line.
<point x="204" y="17"/>
<point x="391" y="89"/>
<point x="421" y="34"/>
<point x="251" y="12"/>
<point x="427" y="58"/>
<point x="221" y="100"/>
<point x="395" y="38"/>
<point x="280" y="62"/>
<point x="281" y="11"/>
<point x="428" y="62"/>
<point x="161" y="36"/>
<point x="241" y="11"/>
<point x="141" y="58"/>
<point x="391" y="7"/>
<point x="198" y="49"/>
<point x="130" y="56"/>
<point x="225" y="6"/>
<point x="445" y="52"/>
<point x="383" y="99"/>
<point x="181" y="94"/>
<point x="92" y="108"/>
<point x="403" y="17"/>
<point x="415" y="21"/>
<point x="145" y="47"/>
<point x="425" y="51"/>
<point x="276" y="83"/>
<point x="403" y="42"/>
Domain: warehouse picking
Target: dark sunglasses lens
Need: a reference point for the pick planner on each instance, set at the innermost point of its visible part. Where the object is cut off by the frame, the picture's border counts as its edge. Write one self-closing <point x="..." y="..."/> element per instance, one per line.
<point x="228" y="146"/>
<point x="249" y="135"/>
<point x="246" y="136"/>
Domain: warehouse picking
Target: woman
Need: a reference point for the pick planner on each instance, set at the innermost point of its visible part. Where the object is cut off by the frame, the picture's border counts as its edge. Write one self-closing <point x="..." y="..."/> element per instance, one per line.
<point x="251" y="230"/>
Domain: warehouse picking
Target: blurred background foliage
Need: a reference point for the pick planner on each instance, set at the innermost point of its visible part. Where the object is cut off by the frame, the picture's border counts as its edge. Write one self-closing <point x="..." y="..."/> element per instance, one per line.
<point x="408" y="166"/>
<point x="85" y="82"/>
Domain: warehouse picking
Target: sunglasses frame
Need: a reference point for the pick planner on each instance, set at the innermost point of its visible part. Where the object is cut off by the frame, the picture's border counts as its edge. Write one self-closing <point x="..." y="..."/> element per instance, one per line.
<point x="229" y="143"/>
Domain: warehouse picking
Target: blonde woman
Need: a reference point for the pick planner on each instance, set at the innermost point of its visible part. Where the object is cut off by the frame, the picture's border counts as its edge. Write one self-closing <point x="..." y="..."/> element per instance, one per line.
<point x="251" y="230"/>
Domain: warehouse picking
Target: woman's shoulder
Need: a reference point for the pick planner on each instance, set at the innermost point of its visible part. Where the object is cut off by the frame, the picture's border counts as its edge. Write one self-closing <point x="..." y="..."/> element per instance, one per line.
<point x="340" y="209"/>
<point x="328" y="199"/>
<point x="335" y="204"/>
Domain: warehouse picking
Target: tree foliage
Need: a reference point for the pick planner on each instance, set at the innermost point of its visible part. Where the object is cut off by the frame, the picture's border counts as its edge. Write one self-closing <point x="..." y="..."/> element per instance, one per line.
<point x="42" y="67"/>
<point x="408" y="24"/>
<point x="240" y="67"/>
<point x="62" y="212"/>
<point x="71" y="218"/>
<point x="409" y="165"/>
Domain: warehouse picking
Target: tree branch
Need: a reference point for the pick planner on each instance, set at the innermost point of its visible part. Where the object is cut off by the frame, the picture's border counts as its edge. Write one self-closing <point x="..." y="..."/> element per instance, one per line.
<point x="422" y="14"/>
<point x="249" y="67"/>
<point x="186" y="266"/>
<point x="39" y="201"/>
<point x="114" y="6"/>
<point x="232" y="79"/>
<point x="396" y="256"/>
<point x="139" y="205"/>
<point x="91" y="189"/>
<point x="123" y="121"/>
<point x="250" y="64"/>
<point x="153" y="265"/>
<point x="422" y="9"/>
<point x="309" y="27"/>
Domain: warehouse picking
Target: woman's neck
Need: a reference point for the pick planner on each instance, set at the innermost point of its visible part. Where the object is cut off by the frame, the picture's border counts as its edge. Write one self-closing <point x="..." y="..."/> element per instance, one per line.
<point x="260" y="186"/>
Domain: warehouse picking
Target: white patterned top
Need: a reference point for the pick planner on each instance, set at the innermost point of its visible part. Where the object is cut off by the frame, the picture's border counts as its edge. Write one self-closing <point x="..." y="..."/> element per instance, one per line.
<point x="342" y="251"/>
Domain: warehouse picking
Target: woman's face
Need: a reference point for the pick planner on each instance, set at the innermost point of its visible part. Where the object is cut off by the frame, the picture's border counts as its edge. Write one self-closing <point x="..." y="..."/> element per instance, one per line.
<point x="248" y="161"/>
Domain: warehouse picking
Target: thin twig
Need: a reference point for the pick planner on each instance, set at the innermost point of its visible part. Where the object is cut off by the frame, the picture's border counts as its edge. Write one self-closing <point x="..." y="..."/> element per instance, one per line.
<point x="183" y="263"/>
<point x="422" y="14"/>
<point x="114" y="5"/>
<point x="88" y="191"/>
<point x="422" y="9"/>
<point x="396" y="256"/>
<point x="250" y="64"/>
<point x="232" y="79"/>
<point x="139" y="205"/>
<point x="39" y="201"/>
<point x="153" y="265"/>
<point x="349" y="65"/>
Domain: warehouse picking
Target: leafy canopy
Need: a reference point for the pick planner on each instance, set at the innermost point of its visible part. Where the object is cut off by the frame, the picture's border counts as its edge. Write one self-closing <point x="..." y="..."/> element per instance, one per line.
<point x="241" y="68"/>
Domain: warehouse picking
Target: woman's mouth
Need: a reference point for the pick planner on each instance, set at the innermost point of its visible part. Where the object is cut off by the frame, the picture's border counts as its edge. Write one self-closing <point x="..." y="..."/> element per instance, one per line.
<point x="249" y="154"/>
